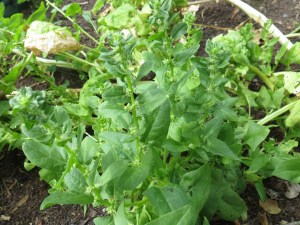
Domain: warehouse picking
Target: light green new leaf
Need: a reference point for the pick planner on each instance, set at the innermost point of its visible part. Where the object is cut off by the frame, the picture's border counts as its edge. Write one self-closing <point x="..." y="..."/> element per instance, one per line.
<point x="106" y="220"/>
<point x="294" y="116"/>
<point x="37" y="132"/>
<point x="116" y="169"/>
<point x="53" y="159"/>
<point x="150" y="100"/>
<point x="110" y="109"/>
<point x="2" y="9"/>
<point x="219" y="147"/>
<point x="166" y="199"/>
<point x="4" y="107"/>
<point x="38" y="15"/>
<point x="73" y="9"/>
<point x="67" y="198"/>
<point x="288" y="170"/>
<point x="75" y="180"/>
<point x="212" y="128"/>
<point x="255" y="134"/>
<point x="132" y="177"/>
<point x="98" y="5"/>
<point x="258" y="162"/>
<point x="174" y="146"/>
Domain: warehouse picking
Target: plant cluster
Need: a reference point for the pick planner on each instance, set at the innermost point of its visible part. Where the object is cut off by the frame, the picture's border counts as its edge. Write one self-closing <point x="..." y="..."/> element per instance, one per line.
<point x="176" y="150"/>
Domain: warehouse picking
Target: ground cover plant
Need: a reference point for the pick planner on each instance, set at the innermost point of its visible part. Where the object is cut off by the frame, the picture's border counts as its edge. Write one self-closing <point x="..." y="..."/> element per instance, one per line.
<point x="175" y="151"/>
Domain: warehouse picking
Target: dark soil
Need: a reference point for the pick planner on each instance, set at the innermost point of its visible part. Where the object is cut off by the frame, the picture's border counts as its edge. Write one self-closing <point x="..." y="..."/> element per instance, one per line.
<point x="21" y="183"/>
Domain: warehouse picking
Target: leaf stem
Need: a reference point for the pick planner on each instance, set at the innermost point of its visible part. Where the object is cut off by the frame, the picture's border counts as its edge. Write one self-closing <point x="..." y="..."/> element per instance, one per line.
<point x="103" y="202"/>
<point x="276" y="113"/>
<point x="262" y="76"/>
<point x="166" y="153"/>
<point x="69" y="166"/>
<point x="135" y="119"/>
<point x="145" y="199"/>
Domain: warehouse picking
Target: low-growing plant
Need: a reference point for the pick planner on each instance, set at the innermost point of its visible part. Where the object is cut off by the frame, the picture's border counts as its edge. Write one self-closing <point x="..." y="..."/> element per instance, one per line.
<point x="177" y="150"/>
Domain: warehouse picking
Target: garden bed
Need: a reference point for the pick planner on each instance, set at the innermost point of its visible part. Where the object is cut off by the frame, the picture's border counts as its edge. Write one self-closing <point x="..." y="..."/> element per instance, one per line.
<point x="26" y="186"/>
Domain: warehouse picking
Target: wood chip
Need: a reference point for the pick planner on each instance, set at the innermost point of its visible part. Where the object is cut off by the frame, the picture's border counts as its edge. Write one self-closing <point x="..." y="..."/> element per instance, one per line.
<point x="16" y="206"/>
<point x="5" y="218"/>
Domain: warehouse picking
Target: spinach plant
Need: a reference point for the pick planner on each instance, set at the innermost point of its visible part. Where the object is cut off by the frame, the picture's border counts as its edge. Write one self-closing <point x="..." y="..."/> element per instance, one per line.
<point x="162" y="152"/>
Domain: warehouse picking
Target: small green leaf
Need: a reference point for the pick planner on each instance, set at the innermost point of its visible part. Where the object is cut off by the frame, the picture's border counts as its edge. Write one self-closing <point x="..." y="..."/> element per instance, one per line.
<point x="75" y="180"/>
<point x="218" y="147"/>
<point x="119" y="217"/>
<point x="183" y="57"/>
<point x="110" y="109"/>
<point x="87" y="151"/>
<point x="179" y="30"/>
<point x="98" y="5"/>
<point x="145" y="68"/>
<point x="132" y="177"/>
<point x="261" y="190"/>
<point x="255" y="134"/>
<point x="174" y="146"/>
<point x="116" y="95"/>
<point x="73" y="9"/>
<point x="294" y="116"/>
<point x="116" y="169"/>
<point x="38" y="15"/>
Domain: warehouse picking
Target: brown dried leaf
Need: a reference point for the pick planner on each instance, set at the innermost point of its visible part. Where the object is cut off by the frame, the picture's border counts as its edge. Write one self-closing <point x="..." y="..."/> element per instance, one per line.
<point x="270" y="206"/>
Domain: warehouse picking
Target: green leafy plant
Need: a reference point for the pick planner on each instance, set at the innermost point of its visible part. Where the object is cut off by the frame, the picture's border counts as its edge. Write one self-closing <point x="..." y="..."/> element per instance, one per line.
<point x="168" y="151"/>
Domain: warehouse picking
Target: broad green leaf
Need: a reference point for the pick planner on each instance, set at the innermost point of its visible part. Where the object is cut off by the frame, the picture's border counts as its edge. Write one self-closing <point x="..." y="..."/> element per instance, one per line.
<point x="241" y="59"/>
<point x="246" y="97"/>
<point x="281" y="52"/>
<point x="182" y="58"/>
<point x="148" y="56"/>
<point x="80" y="132"/>
<point x="115" y="138"/>
<point x="231" y="206"/>
<point x="37" y="133"/>
<point x="48" y="175"/>
<point x="218" y="147"/>
<point x="109" y="109"/>
<point x="116" y="169"/>
<point x="76" y="109"/>
<point x="2" y="9"/>
<point x="277" y="97"/>
<point x="196" y="38"/>
<point x="150" y="100"/>
<point x="132" y="177"/>
<point x="88" y="17"/>
<point x="183" y="216"/>
<point x="4" y="107"/>
<point x="145" y="68"/>
<point x="157" y="131"/>
<point x="105" y="220"/>
<point x="98" y="5"/>
<point x="288" y="170"/>
<point x="192" y="130"/>
<point x="212" y="128"/>
<point x="73" y="9"/>
<point x="174" y="146"/>
<point x="179" y="30"/>
<point x="87" y="151"/>
<point x="123" y="121"/>
<point x="75" y="180"/>
<point x="177" y="49"/>
<point x="38" y="15"/>
<point x="121" y="17"/>
<point x="94" y="176"/>
<point x="258" y="162"/>
<point x="67" y="198"/>
<point x="255" y="134"/>
<point x="264" y="99"/>
<point x="294" y="116"/>
<point x="116" y="95"/>
<point x="54" y="158"/>
<point x="166" y="199"/>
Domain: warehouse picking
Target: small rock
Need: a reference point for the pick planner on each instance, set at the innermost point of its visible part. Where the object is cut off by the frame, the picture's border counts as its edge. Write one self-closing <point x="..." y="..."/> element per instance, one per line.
<point x="286" y="15"/>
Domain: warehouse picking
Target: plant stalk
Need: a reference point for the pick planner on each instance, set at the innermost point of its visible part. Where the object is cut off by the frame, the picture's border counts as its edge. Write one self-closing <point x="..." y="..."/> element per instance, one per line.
<point x="145" y="199"/>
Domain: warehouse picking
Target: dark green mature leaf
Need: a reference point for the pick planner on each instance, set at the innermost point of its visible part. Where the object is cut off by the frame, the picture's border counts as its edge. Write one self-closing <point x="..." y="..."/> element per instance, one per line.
<point x="54" y="158"/>
<point x="218" y="147"/>
<point x="174" y="146"/>
<point x="94" y="176"/>
<point x="231" y="206"/>
<point x="87" y="151"/>
<point x="4" y="107"/>
<point x="258" y="162"/>
<point x="114" y="138"/>
<point x="98" y="5"/>
<point x="109" y="109"/>
<point x="73" y="9"/>
<point x="183" y="216"/>
<point x="150" y="99"/>
<point x="158" y="129"/>
<point x="132" y="177"/>
<point x="264" y="99"/>
<point x="66" y="198"/>
<point x="116" y="169"/>
<point x="166" y="199"/>
<point x="255" y="134"/>
<point x="182" y="58"/>
<point x="38" y="15"/>
<point x="123" y="121"/>
<point x="148" y="56"/>
<point x="261" y="190"/>
<point x="212" y="128"/>
<point x="116" y="95"/>
<point x="145" y="68"/>
<point x="119" y="217"/>
<point x="192" y="130"/>
<point x="75" y="180"/>
<point x="179" y="30"/>
<point x="288" y="170"/>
